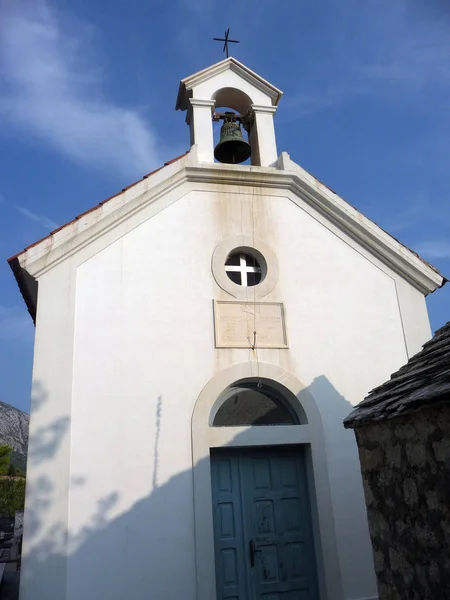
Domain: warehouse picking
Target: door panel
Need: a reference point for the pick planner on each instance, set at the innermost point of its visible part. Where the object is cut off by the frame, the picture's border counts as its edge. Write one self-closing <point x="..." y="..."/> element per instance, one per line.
<point x="271" y="534"/>
<point x="228" y="531"/>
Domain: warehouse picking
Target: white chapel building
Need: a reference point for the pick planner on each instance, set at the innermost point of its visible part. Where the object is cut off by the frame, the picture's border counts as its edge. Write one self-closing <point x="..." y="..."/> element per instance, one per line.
<point x="200" y="338"/>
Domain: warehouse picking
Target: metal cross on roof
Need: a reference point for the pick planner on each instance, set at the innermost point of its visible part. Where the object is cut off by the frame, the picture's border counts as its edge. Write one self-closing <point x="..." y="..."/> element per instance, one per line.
<point x="226" y="41"/>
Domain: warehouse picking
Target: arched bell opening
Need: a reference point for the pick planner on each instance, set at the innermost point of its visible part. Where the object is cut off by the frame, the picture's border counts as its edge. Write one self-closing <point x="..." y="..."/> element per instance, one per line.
<point x="231" y="126"/>
<point x="256" y="402"/>
<point x="234" y="99"/>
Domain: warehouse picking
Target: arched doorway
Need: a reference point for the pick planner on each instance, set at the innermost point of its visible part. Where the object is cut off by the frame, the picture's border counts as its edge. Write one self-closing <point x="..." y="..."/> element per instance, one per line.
<point x="256" y="402"/>
<point x="263" y="538"/>
<point x="250" y="428"/>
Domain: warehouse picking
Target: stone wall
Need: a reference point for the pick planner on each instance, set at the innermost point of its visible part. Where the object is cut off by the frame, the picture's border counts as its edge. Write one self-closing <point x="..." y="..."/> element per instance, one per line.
<point x="405" y="463"/>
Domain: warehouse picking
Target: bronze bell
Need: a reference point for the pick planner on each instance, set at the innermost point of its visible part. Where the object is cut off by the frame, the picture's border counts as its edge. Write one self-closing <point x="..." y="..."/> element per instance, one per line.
<point x="232" y="148"/>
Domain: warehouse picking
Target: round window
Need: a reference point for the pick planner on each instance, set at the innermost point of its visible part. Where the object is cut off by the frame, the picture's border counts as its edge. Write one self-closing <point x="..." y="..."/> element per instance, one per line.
<point x="245" y="267"/>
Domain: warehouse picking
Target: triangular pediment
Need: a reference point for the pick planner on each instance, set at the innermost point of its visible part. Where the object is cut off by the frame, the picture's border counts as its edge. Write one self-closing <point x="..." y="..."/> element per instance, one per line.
<point x="161" y="188"/>
<point x="229" y="64"/>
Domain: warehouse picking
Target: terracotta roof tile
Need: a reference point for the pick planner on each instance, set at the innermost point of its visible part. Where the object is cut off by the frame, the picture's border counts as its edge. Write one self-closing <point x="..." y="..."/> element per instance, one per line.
<point x="86" y="212"/>
<point x="25" y="286"/>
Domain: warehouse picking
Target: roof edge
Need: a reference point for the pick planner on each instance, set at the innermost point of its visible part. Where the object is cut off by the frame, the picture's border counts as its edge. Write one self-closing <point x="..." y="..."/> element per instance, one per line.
<point x="423" y="382"/>
<point x="21" y="276"/>
<point x="385" y="246"/>
<point x="89" y="210"/>
<point x="355" y="421"/>
<point x="337" y="211"/>
<point x="300" y="183"/>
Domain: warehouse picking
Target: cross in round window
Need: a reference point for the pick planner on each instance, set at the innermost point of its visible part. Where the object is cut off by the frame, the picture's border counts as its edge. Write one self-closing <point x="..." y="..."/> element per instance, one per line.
<point x="243" y="268"/>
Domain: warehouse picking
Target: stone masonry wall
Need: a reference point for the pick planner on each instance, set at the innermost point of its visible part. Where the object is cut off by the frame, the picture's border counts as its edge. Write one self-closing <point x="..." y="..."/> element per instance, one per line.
<point x="405" y="464"/>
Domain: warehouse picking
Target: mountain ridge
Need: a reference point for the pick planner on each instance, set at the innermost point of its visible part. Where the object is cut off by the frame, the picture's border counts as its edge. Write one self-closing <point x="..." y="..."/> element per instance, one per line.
<point x="14" y="425"/>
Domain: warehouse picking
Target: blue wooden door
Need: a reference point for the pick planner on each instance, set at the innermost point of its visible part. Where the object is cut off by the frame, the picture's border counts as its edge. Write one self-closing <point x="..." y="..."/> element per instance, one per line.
<point x="263" y="539"/>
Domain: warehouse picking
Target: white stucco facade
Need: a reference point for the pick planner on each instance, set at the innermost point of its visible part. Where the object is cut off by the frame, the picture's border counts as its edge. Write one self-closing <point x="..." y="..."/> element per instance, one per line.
<point x="127" y="375"/>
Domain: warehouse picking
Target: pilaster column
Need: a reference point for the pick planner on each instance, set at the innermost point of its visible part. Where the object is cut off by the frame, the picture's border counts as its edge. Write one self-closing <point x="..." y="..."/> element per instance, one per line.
<point x="264" y="136"/>
<point x="200" y="123"/>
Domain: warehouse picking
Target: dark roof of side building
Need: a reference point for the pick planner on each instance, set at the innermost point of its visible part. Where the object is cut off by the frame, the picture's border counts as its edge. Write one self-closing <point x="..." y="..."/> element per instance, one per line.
<point x="422" y="382"/>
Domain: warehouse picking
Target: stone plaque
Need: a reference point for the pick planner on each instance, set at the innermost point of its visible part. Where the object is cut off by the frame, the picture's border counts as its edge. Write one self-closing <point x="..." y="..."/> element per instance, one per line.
<point x="235" y="322"/>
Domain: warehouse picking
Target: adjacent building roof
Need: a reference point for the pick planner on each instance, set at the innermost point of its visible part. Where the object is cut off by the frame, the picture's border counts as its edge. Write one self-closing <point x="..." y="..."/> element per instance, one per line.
<point x="422" y="382"/>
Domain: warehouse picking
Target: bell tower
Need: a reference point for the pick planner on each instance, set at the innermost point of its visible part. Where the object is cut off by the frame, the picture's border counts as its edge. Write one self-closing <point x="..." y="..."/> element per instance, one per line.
<point x="231" y="85"/>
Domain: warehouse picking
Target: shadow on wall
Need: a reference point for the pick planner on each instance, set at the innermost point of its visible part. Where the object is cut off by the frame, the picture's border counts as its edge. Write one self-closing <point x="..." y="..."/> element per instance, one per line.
<point x="131" y="555"/>
<point x="348" y="499"/>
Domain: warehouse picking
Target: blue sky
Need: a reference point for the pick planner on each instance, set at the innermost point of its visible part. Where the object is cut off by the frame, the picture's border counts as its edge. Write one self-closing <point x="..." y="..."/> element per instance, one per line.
<point x="87" y="96"/>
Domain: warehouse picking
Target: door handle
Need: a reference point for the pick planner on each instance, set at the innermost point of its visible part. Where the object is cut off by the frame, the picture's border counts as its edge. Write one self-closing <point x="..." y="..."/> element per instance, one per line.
<point x="252" y="550"/>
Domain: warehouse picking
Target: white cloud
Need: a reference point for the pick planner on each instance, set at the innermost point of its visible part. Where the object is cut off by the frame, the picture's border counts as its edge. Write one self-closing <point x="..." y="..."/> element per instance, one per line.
<point x="52" y="90"/>
<point x="15" y="324"/>
<point x="44" y="221"/>
<point x="434" y="249"/>
<point x="41" y="219"/>
<point x="416" y="214"/>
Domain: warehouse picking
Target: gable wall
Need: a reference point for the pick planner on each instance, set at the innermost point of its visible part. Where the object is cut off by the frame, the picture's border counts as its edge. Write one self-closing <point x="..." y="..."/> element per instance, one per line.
<point x="143" y="349"/>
